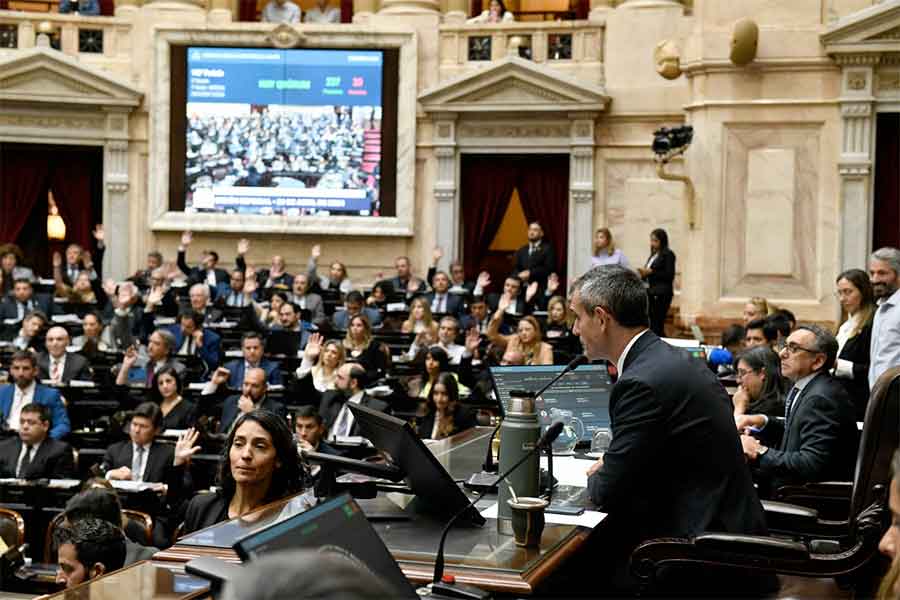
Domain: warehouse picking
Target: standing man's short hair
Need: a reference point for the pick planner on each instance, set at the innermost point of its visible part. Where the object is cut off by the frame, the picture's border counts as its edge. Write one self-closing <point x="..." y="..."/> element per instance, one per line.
<point x="619" y="291"/>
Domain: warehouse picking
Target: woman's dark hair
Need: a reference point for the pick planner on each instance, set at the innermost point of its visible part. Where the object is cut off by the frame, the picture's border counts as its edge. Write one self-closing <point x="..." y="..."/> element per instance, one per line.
<point x="502" y="6"/>
<point x="763" y="358"/>
<point x="860" y="280"/>
<point x="286" y="478"/>
<point x="439" y="355"/>
<point x="448" y="380"/>
<point x="167" y="370"/>
<point x="662" y="236"/>
<point x="281" y="295"/>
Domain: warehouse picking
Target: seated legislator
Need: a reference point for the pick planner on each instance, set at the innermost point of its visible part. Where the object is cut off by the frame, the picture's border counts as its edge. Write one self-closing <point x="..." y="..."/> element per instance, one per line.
<point x="445" y="415"/>
<point x="10" y="269"/>
<point x="32" y="455"/>
<point x="252" y="348"/>
<point x="142" y="458"/>
<point x="207" y="272"/>
<point x="421" y="322"/>
<point x="404" y="282"/>
<point x="137" y="369"/>
<point x="350" y="387"/>
<point x="336" y="280"/>
<point x="289" y="320"/>
<point x="559" y="318"/>
<point x="26" y="390"/>
<point x="321" y="360"/>
<point x="86" y="550"/>
<point x="94" y="337"/>
<point x="142" y="277"/>
<point x="22" y="301"/>
<point x="31" y="334"/>
<point x="512" y="289"/>
<point x="526" y="340"/>
<point x="436" y="362"/>
<point x="199" y="297"/>
<point x="674" y="467"/>
<point x="306" y="300"/>
<point x="478" y="317"/>
<point x="234" y="294"/>
<point x="322" y="13"/>
<point x="361" y="347"/>
<point x="760" y="332"/>
<point x="458" y="283"/>
<point x="276" y="276"/>
<point x="817" y="438"/>
<point x="281" y="11"/>
<point x="127" y="322"/>
<point x="354" y="306"/>
<point x="761" y="386"/>
<point x="59" y="366"/>
<point x="177" y="412"/>
<point x="192" y="339"/>
<point x="448" y="330"/>
<point x="259" y="465"/>
<point x="103" y="504"/>
<point x="310" y="431"/>
<point x="440" y="300"/>
<point x="253" y="397"/>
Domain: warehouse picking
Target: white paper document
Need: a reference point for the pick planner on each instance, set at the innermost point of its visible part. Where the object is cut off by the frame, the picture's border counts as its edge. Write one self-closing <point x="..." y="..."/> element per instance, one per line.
<point x="569" y="470"/>
<point x="589" y="518"/>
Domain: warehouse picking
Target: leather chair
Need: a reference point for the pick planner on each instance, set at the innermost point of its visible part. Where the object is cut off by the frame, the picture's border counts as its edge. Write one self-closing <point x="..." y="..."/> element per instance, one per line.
<point x="12" y="528"/>
<point x="55" y="522"/>
<point x="820" y="547"/>
<point x="143" y="521"/>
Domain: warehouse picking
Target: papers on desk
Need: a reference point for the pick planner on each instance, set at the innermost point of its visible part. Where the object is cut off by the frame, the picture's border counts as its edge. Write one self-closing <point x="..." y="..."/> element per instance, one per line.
<point x="589" y="518"/>
<point x="569" y="470"/>
<point x="234" y="353"/>
<point x="173" y="433"/>
<point x="65" y="319"/>
<point x="46" y="281"/>
<point x="396" y="307"/>
<point x="61" y="484"/>
<point x="136" y="486"/>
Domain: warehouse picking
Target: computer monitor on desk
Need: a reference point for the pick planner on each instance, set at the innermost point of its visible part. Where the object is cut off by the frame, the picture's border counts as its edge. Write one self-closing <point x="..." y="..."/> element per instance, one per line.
<point x="426" y="477"/>
<point x="337" y="525"/>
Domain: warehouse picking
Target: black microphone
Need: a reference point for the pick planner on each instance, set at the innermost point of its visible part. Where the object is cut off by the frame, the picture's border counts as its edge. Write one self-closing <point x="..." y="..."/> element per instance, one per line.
<point x="545" y="441"/>
<point x="489" y="465"/>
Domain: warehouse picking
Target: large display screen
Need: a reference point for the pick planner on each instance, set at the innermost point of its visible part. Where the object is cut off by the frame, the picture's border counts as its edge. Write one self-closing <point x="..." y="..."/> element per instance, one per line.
<point x="283" y="132"/>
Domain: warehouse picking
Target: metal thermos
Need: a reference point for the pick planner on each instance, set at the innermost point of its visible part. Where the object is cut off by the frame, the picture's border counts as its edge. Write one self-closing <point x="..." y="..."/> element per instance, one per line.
<point x="519" y="433"/>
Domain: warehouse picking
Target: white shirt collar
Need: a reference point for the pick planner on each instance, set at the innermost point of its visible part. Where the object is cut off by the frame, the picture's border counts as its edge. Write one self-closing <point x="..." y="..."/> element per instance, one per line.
<point x="29" y="391"/>
<point x="804" y="381"/>
<point x="892" y="300"/>
<point x="357" y="397"/>
<point x="620" y="364"/>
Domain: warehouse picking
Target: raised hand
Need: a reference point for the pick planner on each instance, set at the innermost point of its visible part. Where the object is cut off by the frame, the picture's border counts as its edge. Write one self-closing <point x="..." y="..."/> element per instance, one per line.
<point x="250" y="285"/>
<point x="316" y="251"/>
<point x="552" y="283"/>
<point x="99" y="234"/>
<point x="185" y="447"/>
<point x="436" y="255"/>
<point x="412" y="286"/>
<point x="155" y="296"/>
<point x="314" y="346"/>
<point x="243" y="246"/>
<point x="57" y="261"/>
<point x="87" y="260"/>
<point x="130" y="357"/>
<point x="473" y="339"/>
<point x="531" y="290"/>
<point x="220" y="376"/>
<point x="186" y="238"/>
<point x="484" y="279"/>
<point x="109" y="286"/>
<point x="504" y="302"/>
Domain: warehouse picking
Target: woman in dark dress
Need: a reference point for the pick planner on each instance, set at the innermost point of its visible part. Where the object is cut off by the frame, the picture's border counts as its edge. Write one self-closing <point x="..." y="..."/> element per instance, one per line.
<point x="659" y="274"/>
<point x="854" y="336"/>
<point x="259" y="465"/>
<point x="361" y="346"/>
<point x="177" y="412"/>
<point x="445" y="415"/>
<point x="762" y="388"/>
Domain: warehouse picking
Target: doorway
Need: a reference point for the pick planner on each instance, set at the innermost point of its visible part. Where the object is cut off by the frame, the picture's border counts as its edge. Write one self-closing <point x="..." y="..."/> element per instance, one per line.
<point x="33" y="177"/>
<point x="886" y="210"/>
<point x="500" y="193"/>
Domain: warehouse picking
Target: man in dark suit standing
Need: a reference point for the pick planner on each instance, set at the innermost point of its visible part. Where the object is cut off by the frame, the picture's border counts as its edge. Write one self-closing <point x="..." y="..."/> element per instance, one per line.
<point x="350" y="382"/>
<point x="59" y="366"/>
<point x="253" y="396"/>
<point x="818" y="439"/>
<point x="33" y="455"/>
<point x="536" y="259"/>
<point x="675" y="466"/>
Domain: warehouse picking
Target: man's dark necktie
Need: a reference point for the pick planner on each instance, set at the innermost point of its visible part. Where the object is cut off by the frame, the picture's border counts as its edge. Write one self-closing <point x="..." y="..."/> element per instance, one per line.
<point x="790" y="403"/>
<point x="26" y="462"/>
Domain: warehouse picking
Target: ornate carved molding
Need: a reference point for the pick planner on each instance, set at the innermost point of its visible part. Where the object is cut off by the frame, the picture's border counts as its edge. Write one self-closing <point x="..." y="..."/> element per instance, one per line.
<point x="854" y="170"/>
<point x="888" y="81"/>
<point x="856" y="80"/>
<point x="890" y="34"/>
<point x="285" y="36"/>
<point x="856" y="109"/>
<point x="488" y="130"/>
<point x="52" y="121"/>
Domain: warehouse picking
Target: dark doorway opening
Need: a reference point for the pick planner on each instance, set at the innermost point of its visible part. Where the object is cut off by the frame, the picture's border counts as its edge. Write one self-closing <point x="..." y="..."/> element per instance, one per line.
<point x="31" y="174"/>
<point x="886" y="215"/>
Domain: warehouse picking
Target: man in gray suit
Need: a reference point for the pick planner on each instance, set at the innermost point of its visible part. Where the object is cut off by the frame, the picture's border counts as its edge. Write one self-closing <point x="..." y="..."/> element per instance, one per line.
<point x="307" y="300"/>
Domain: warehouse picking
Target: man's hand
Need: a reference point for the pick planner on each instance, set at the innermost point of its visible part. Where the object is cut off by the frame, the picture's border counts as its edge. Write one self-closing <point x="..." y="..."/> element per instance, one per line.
<point x="198" y="337"/>
<point x="186" y="238"/>
<point x="154" y="297"/>
<point x="243" y="246"/>
<point x="473" y="340"/>
<point x="99" y="234"/>
<point x="552" y="283"/>
<point x="643" y="271"/>
<point x="595" y="467"/>
<point x="436" y="255"/>
<point x="245" y="404"/>
<point x="109" y="286"/>
<point x="220" y="376"/>
<point x="57" y="262"/>
<point x="412" y="286"/>
<point x="531" y="291"/>
<point x="316" y="251"/>
<point x="250" y="286"/>
<point x="524" y="275"/>
<point x="130" y="357"/>
<point x="484" y="279"/>
<point x="751" y="447"/>
<point x="504" y="302"/>
<point x="744" y="422"/>
<point x="120" y="474"/>
<point x="185" y="447"/>
<point x="87" y="260"/>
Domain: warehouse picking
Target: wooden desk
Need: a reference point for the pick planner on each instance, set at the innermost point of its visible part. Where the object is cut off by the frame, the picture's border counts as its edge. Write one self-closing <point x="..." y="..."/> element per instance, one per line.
<point x="141" y="581"/>
<point x="478" y="556"/>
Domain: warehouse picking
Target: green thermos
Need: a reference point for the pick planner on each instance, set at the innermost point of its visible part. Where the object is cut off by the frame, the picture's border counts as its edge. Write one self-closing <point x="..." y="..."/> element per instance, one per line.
<point x="519" y="433"/>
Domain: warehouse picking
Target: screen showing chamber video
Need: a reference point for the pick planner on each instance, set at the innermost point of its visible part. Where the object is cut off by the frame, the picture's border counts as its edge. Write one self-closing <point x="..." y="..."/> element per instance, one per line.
<point x="283" y="132"/>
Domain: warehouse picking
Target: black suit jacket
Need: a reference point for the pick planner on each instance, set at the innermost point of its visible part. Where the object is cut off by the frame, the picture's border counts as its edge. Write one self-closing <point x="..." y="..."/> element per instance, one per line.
<point x="198" y="275"/>
<point x="663" y="274"/>
<point x="9" y="307"/>
<point x="453" y="304"/>
<point x="675" y="467"/>
<point x="77" y="367"/>
<point x="333" y="401"/>
<point x="819" y="440"/>
<point x="856" y="350"/>
<point x="205" y="510"/>
<point x="53" y="460"/>
<point x="230" y="410"/>
<point x="539" y="264"/>
<point x="159" y="461"/>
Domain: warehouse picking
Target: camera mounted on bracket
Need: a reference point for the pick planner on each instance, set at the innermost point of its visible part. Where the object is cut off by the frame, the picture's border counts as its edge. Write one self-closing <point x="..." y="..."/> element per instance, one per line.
<point x="669" y="143"/>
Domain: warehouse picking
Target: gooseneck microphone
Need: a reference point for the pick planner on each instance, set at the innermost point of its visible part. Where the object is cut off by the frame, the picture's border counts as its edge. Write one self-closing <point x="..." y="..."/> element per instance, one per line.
<point x="489" y="465"/>
<point x="548" y="438"/>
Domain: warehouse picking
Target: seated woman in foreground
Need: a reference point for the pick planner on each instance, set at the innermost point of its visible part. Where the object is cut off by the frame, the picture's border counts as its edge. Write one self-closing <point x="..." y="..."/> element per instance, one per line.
<point x="259" y="465"/>
<point x="445" y="415"/>
<point x="527" y="339"/>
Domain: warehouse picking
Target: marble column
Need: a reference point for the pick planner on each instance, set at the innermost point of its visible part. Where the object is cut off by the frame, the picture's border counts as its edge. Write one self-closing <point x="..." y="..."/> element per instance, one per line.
<point x="581" y="193"/>
<point x="116" y="183"/>
<point x="456" y="11"/>
<point x="445" y="191"/>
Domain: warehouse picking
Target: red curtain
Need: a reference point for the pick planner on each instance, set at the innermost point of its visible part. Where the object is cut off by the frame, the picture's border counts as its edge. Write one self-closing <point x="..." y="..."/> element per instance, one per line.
<point x="23" y="179"/>
<point x="887" y="181"/>
<point x="543" y="184"/>
<point x="70" y="181"/>
<point x="487" y="185"/>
